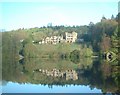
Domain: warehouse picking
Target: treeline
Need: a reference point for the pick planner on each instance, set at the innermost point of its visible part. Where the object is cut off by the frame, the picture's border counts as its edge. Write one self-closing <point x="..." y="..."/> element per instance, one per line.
<point x="102" y="36"/>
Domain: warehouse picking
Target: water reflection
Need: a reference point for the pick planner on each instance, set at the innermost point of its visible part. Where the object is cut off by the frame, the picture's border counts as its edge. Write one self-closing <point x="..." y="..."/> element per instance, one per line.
<point x="68" y="74"/>
<point x="52" y="72"/>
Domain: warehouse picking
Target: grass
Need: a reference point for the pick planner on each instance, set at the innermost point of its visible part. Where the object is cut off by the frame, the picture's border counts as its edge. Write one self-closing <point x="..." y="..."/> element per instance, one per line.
<point x="11" y="46"/>
<point x="49" y="50"/>
<point x="58" y="47"/>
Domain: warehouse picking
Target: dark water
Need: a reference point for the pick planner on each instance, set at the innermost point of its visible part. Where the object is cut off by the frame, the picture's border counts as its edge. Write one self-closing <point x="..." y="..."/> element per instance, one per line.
<point x="55" y="75"/>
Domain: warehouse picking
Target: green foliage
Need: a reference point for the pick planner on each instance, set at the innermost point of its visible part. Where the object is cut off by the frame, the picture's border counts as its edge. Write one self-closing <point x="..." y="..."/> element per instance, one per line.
<point x="116" y="75"/>
<point x="75" y="56"/>
<point x="88" y="52"/>
<point x="97" y="31"/>
<point x="116" y="43"/>
<point x="95" y="75"/>
<point x="52" y="56"/>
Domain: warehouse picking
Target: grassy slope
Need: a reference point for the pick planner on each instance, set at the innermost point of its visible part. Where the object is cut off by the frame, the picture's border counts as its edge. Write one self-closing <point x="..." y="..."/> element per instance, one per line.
<point x="49" y="50"/>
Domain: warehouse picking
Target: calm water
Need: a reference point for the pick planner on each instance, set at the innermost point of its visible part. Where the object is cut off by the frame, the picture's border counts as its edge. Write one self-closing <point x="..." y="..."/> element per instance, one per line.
<point x="57" y="76"/>
<point x="11" y="87"/>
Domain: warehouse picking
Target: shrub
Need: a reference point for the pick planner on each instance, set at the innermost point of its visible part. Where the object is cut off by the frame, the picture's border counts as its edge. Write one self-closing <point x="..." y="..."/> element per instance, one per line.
<point x="75" y="56"/>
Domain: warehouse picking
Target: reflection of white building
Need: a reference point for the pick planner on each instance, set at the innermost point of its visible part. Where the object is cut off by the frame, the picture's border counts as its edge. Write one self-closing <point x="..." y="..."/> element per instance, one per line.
<point x="68" y="74"/>
<point x="71" y="75"/>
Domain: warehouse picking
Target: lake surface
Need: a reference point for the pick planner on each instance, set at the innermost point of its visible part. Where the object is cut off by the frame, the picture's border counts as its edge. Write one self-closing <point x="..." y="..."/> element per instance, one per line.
<point x="57" y="76"/>
<point x="11" y="87"/>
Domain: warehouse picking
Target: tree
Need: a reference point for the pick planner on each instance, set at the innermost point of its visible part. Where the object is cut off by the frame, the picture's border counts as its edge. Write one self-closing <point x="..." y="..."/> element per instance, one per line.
<point x="105" y="44"/>
<point x="112" y="17"/>
<point x="75" y="56"/>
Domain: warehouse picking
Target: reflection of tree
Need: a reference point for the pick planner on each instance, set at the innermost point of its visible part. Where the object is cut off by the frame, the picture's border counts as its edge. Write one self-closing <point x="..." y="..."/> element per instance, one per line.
<point x="86" y="63"/>
<point x="106" y="69"/>
<point x="92" y="73"/>
<point x="109" y="84"/>
<point x="116" y="75"/>
<point x="99" y="76"/>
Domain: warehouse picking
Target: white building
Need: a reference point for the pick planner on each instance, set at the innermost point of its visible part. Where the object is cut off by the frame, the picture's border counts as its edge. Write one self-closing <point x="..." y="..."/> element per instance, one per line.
<point x="70" y="37"/>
